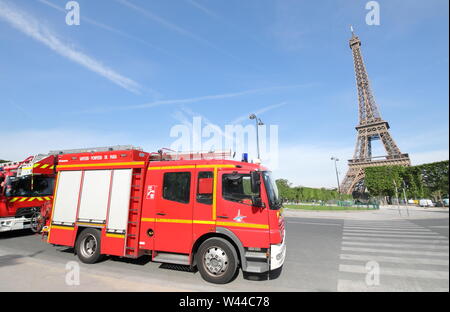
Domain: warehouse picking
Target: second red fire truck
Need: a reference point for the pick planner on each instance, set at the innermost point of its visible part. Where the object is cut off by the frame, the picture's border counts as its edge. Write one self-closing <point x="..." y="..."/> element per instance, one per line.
<point x="216" y="214"/>
<point x="26" y="187"/>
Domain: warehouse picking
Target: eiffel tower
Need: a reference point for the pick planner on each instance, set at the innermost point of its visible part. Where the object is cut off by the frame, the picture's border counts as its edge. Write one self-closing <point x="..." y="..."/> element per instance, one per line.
<point x="371" y="127"/>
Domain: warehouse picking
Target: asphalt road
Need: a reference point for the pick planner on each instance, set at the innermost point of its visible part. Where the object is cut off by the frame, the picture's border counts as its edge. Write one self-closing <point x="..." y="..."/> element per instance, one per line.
<point x="324" y="255"/>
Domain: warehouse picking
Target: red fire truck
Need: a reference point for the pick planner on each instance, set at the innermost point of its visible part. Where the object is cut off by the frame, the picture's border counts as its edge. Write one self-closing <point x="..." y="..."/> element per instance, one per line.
<point x="25" y="188"/>
<point x="198" y="210"/>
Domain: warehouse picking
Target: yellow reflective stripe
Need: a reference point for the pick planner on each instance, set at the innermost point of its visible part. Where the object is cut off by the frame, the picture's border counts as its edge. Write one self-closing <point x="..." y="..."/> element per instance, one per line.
<point x="177" y="221"/>
<point x="14" y="199"/>
<point x="92" y="224"/>
<point x="249" y="225"/>
<point x="214" y="203"/>
<point x="234" y="224"/>
<point x="173" y="220"/>
<point x="134" y="163"/>
<point x="171" y="167"/>
<point x="44" y="166"/>
<point x="40" y="199"/>
<point x="32" y="198"/>
<point x="52" y="167"/>
<point x="62" y="227"/>
<point x="27" y="168"/>
<point x="23" y="199"/>
<point x="216" y="166"/>
<point x="190" y="167"/>
<point x="115" y="235"/>
<point x="203" y="222"/>
<point x="36" y="165"/>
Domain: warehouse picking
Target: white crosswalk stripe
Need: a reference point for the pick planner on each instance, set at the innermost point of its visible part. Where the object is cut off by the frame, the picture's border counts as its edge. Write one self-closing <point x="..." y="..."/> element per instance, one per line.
<point x="396" y="271"/>
<point x="395" y="251"/>
<point x="385" y="229"/>
<point x="388" y="232"/>
<point x="401" y="260"/>
<point x="384" y="239"/>
<point x="403" y="255"/>
<point x="376" y="244"/>
<point x="393" y="235"/>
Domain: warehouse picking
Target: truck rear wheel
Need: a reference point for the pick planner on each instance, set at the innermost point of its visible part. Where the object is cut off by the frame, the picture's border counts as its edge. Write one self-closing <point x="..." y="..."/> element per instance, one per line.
<point x="88" y="246"/>
<point x="217" y="261"/>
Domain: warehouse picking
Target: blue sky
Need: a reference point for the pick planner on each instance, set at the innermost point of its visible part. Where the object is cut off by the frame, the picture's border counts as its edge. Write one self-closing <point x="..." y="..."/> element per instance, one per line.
<point x="135" y="68"/>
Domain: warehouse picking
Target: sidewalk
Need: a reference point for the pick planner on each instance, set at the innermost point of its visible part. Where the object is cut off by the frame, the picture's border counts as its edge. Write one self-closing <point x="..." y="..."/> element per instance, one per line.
<point x="391" y="212"/>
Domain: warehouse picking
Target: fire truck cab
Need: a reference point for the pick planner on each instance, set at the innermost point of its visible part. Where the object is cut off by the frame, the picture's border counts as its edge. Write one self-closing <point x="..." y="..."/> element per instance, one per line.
<point x="216" y="214"/>
<point x="25" y="187"/>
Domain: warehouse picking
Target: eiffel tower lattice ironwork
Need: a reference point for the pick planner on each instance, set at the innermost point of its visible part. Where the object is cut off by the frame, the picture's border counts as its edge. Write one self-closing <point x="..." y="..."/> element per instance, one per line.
<point x="371" y="127"/>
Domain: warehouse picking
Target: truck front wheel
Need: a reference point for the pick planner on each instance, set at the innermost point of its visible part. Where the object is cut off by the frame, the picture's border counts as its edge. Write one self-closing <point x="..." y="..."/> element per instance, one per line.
<point x="88" y="246"/>
<point x="217" y="261"/>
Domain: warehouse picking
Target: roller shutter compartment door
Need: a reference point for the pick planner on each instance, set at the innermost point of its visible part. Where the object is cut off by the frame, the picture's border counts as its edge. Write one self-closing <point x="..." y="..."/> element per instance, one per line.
<point x="94" y="196"/>
<point x="67" y="194"/>
<point x="120" y="200"/>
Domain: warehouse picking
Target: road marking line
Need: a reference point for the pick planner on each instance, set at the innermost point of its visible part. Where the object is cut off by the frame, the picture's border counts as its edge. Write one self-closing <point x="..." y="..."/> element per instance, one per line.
<point x="440" y="226"/>
<point x="416" y="246"/>
<point x="365" y="226"/>
<point x="395" y="235"/>
<point x="396" y="272"/>
<point x="399" y="225"/>
<point x="408" y="240"/>
<point x="314" y="223"/>
<point x="400" y="260"/>
<point x="386" y="229"/>
<point x="404" y="252"/>
<point x="389" y="232"/>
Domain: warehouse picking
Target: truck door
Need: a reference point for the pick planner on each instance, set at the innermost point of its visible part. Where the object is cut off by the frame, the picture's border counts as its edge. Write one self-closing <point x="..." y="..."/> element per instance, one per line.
<point x="235" y="209"/>
<point x="173" y="212"/>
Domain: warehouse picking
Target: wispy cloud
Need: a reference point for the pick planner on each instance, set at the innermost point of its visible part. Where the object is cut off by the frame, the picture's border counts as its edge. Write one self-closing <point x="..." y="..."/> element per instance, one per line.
<point x="189" y="100"/>
<point x="31" y="26"/>
<point x="203" y="9"/>
<point x="239" y="31"/>
<point x="109" y="28"/>
<point x="173" y="27"/>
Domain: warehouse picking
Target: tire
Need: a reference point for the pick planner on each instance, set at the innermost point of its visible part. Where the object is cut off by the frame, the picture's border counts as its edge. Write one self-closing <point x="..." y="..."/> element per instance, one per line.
<point x="217" y="261"/>
<point x="37" y="222"/>
<point x="88" y="246"/>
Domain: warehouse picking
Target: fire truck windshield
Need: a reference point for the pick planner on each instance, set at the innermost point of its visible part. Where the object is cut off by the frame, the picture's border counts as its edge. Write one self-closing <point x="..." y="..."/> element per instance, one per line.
<point x="272" y="191"/>
<point x="29" y="186"/>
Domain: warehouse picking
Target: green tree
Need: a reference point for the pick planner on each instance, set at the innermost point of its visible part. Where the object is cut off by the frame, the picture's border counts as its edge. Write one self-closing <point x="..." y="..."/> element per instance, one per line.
<point x="428" y="180"/>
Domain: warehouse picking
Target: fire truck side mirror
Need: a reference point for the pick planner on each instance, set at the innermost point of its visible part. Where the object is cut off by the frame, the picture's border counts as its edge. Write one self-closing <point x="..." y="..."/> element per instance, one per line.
<point x="255" y="182"/>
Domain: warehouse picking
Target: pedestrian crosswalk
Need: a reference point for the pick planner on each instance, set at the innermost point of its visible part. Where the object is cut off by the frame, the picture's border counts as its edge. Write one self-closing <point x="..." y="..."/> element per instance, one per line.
<point x="392" y="256"/>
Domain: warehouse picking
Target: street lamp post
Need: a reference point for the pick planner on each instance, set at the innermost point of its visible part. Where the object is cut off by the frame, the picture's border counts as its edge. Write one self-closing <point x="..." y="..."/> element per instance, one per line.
<point x="258" y="123"/>
<point x="337" y="173"/>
